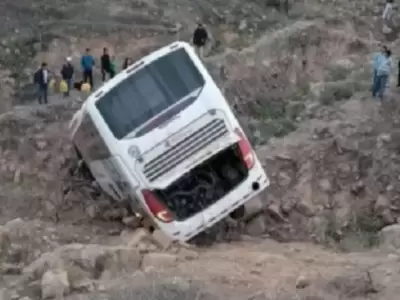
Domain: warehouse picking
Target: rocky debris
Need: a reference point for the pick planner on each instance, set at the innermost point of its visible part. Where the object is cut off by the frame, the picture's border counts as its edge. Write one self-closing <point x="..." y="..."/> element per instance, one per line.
<point x="382" y="208"/>
<point x="390" y="237"/>
<point x="55" y="284"/>
<point x="94" y="259"/>
<point x="353" y="284"/>
<point x="10" y="269"/>
<point x="302" y="282"/>
<point x="256" y="226"/>
<point x="158" y="261"/>
<point x="80" y="267"/>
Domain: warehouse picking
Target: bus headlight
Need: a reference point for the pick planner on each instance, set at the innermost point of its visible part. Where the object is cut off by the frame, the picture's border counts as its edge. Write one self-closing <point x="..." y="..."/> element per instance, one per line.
<point x="134" y="152"/>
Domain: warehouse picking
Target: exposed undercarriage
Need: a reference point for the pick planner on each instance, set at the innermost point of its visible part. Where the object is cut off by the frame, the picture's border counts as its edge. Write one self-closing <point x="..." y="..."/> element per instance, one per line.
<point x="205" y="184"/>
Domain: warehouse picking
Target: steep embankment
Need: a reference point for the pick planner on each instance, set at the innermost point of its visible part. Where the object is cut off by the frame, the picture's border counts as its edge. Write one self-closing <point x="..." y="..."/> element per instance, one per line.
<point x="301" y="90"/>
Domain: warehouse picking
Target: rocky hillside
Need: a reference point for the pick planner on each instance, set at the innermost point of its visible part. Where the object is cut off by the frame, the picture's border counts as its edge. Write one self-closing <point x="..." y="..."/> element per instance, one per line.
<point x="300" y="85"/>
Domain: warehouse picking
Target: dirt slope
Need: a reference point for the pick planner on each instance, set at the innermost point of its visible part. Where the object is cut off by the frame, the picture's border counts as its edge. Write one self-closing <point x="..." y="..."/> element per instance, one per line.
<point x="298" y="83"/>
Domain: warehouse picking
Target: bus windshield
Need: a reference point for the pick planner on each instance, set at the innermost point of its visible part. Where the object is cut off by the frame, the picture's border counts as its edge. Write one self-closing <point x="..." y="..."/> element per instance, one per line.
<point x="149" y="91"/>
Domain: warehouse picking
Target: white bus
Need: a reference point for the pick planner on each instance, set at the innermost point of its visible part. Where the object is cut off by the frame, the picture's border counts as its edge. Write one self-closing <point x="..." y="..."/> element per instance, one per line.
<point x="161" y="134"/>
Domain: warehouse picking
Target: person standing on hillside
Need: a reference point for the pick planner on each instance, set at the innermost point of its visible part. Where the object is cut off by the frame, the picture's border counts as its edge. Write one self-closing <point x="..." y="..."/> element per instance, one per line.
<point x="383" y="73"/>
<point x="398" y="74"/>
<point x="200" y="38"/>
<point x="87" y="63"/>
<point x="387" y="17"/>
<point x="376" y="61"/>
<point x="388" y="11"/>
<point x="42" y="79"/>
<point x="113" y="67"/>
<point x="127" y="62"/>
<point x="67" y="72"/>
<point x="105" y="64"/>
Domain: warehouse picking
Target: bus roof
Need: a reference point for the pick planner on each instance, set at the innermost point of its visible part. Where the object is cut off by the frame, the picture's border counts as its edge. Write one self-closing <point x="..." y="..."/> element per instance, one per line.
<point x="121" y="76"/>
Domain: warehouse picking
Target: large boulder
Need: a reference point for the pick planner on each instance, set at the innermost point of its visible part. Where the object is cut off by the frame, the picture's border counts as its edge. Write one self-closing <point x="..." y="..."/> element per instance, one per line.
<point x="55" y="284"/>
<point x="390" y="237"/>
<point x="93" y="259"/>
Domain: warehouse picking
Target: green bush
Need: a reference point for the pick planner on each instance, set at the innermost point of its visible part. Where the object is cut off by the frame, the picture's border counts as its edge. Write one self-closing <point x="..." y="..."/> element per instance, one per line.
<point x="336" y="91"/>
<point x="278" y="127"/>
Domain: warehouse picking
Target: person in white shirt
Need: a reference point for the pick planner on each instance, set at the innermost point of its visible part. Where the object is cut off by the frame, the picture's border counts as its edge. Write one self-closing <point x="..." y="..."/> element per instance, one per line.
<point x="42" y="79"/>
<point x="388" y="12"/>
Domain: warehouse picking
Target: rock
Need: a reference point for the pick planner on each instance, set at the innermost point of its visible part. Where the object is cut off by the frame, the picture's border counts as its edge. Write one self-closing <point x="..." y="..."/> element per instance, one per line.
<point x="357" y="188"/>
<point x="55" y="284"/>
<point x="5" y="241"/>
<point x="254" y="206"/>
<point x="90" y="258"/>
<point x="115" y="214"/>
<point x="131" y="221"/>
<point x="161" y="239"/>
<point x="18" y="227"/>
<point x="382" y="209"/>
<point x="32" y="289"/>
<point x="41" y="144"/>
<point x="17" y="253"/>
<point x="135" y="238"/>
<point x="158" y="260"/>
<point x="188" y="254"/>
<point x="389" y="237"/>
<point x="17" y="176"/>
<point x="325" y="185"/>
<point x="275" y="212"/>
<point x="381" y="203"/>
<point x="302" y="282"/>
<point x="4" y="294"/>
<point x="10" y="269"/>
<point x="256" y="226"/>
<point x="303" y="191"/>
<point x="79" y="279"/>
<point x="242" y="25"/>
<point x="92" y="211"/>
<point x="119" y="260"/>
<point x="114" y="231"/>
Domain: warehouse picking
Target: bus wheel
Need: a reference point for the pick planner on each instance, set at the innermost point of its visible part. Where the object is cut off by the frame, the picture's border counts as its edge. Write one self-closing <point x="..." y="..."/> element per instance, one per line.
<point x="238" y="213"/>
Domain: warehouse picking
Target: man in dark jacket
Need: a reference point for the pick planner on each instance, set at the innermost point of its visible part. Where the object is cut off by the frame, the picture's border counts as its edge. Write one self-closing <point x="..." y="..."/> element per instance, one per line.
<point x="42" y="79"/>
<point x="398" y="74"/>
<point x="200" y="38"/>
<point x="87" y="63"/>
<point x="67" y="72"/>
<point x="106" y="65"/>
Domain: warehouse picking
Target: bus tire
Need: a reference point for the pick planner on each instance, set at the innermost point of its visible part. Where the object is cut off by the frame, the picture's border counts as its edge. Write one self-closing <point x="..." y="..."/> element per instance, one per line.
<point x="238" y="213"/>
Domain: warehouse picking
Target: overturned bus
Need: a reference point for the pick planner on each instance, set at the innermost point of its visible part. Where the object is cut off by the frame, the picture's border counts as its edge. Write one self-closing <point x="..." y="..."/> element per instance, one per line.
<point x="162" y="135"/>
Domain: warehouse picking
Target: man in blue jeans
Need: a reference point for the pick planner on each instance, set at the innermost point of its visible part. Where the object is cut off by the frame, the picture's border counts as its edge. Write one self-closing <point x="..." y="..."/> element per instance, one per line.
<point x="67" y="72"/>
<point x="382" y="75"/>
<point x="376" y="62"/>
<point x="87" y="63"/>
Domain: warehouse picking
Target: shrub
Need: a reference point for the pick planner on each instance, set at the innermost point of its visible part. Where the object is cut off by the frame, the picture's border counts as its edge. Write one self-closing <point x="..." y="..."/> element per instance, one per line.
<point x="338" y="73"/>
<point x="337" y="91"/>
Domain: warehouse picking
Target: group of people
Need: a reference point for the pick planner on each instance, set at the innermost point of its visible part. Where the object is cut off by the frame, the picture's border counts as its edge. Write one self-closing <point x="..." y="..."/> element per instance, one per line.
<point x="43" y="76"/>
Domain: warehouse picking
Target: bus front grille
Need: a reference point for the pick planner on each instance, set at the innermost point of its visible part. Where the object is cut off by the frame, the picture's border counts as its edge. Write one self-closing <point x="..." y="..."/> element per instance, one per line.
<point x="184" y="149"/>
